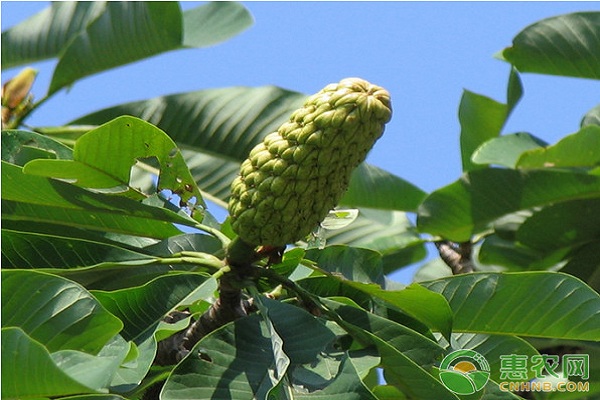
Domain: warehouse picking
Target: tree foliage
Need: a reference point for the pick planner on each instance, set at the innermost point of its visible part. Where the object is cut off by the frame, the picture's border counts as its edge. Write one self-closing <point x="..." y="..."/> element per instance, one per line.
<point x="102" y="271"/>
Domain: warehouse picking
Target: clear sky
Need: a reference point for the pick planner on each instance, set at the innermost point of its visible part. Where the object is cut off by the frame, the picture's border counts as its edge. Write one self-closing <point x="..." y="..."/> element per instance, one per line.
<point x="424" y="53"/>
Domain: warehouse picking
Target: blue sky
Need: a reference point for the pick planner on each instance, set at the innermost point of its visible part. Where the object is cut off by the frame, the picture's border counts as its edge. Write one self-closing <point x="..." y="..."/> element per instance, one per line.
<point x="424" y="53"/>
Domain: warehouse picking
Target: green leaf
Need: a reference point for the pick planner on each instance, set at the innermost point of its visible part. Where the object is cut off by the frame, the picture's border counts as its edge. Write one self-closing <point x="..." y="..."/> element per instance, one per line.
<point x="227" y="122"/>
<point x="56" y="312"/>
<point x="388" y="392"/>
<point x="390" y="233"/>
<point x="492" y="347"/>
<point x="214" y="23"/>
<point x="61" y="373"/>
<point x="418" y="348"/>
<point x="167" y="329"/>
<point x="339" y="218"/>
<point x="400" y="370"/>
<point x="123" y="269"/>
<point x="45" y="34"/>
<point x="506" y="150"/>
<point x="95" y="371"/>
<point x="433" y="269"/>
<point x="281" y="361"/>
<point x="301" y="345"/>
<point x="423" y="305"/>
<point x="18" y="147"/>
<point x="213" y="173"/>
<point x="103" y="158"/>
<point x="187" y="242"/>
<point x="482" y="118"/>
<point x="37" y="199"/>
<point x="585" y="265"/>
<point x="562" y="225"/>
<point x="373" y="187"/>
<point x="92" y="37"/>
<point x="135" y="368"/>
<point x="217" y="369"/>
<point x="535" y="304"/>
<point x="95" y="397"/>
<point x="121" y="34"/>
<point x="345" y="385"/>
<point x="142" y="308"/>
<point x="30" y="360"/>
<point x="33" y="250"/>
<point x="566" y="45"/>
<point x="580" y="149"/>
<point x="216" y="128"/>
<point x="515" y="256"/>
<point x="354" y="264"/>
<point x="466" y="206"/>
<point x="514" y="91"/>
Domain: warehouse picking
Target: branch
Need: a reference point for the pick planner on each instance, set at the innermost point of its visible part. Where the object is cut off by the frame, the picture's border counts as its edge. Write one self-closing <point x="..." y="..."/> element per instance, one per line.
<point x="234" y="275"/>
<point x="457" y="256"/>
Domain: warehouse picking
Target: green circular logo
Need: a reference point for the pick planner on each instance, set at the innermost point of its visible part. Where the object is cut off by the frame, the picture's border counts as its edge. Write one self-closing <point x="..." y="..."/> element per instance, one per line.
<point x="464" y="371"/>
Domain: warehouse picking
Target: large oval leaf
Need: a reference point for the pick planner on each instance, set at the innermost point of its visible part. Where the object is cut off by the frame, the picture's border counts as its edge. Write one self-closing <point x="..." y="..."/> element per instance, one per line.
<point x="580" y="149"/>
<point x="42" y="200"/>
<point x="482" y="118"/>
<point x="56" y="312"/>
<point x="464" y="207"/>
<point x="214" y="22"/>
<point x="564" y="45"/>
<point x="227" y="121"/>
<point x="63" y="372"/>
<point x="216" y="368"/>
<point x="45" y="34"/>
<point x="30" y="362"/>
<point x="142" y="308"/>
<point x="405" y="355"/>
<point x="103" y="158"/>
<point x="562" y="225"/>
<point x="354" y="264"/>
<point x="92" y="37"/>
<point x="415" y="346"/>
<point x="20" y="147"/>
<point x="374" y="187"/>
<point x="536" y="304"/>
<point x="493" y="347"/>
<point x="34" y="250"/>
<point x="506" y="150"/>
<point x="123" y="33"/>
<point x="388" y="232"/>
<point x="423" y="305"/>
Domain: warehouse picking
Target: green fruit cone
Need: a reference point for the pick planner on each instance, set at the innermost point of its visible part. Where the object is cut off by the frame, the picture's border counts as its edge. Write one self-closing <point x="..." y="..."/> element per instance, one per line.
<point x="291" y="180"/>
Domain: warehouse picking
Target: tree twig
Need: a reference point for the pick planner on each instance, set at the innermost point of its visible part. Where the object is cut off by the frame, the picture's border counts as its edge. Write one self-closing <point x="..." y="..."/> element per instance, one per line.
<point x="456" y="255"/>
